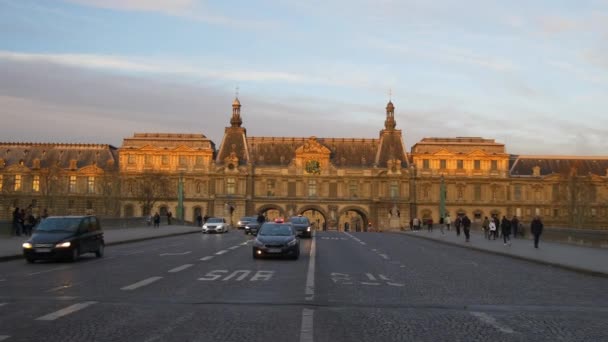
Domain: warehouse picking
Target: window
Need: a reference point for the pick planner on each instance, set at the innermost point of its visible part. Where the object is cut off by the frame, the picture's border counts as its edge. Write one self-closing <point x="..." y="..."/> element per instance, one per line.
<point x="89" y="204"/>
<point x="199" y="160"/>
<point x="555" y="192"/>
<point x="72" y="184"/>
<point x="517" y="192"/>
<point x="17" y="185"/>
<point x="148" y="159"/>
<point x="165" y="160"/>
<point x="555" y="212"/>
<point x="198" y="187"/>
<point x="494" y="194"/>
<point x="71" y="204"/>
<point x="478" y="192"/>
<point x="593" y="212"/>
<point x="90" y="185"/>
<point x="36" y="183"/>
<point x="333" y="190"/>
<point x="312" y="187"/>
<point x="270" y="187"/>
<point x="442" y="164"/>
<point x="460" y="164"/>
<point x="183" y="160"/>
<point x="291" y="189"/>
<point x="494" y="165"/>
<point x="131" y="159"/>
<point x="230" y="186"/>
<point x="425" y="192"/>
<point x="425" y="164"/>
<point x="394" y="189"/>
<point x="353" y="187"/>
<point x="477" y="164"/>
<point x="460" y="192"/>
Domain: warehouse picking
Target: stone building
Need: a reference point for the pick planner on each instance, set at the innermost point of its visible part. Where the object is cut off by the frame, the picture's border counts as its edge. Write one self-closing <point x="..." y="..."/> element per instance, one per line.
<point x="332" y="180"/>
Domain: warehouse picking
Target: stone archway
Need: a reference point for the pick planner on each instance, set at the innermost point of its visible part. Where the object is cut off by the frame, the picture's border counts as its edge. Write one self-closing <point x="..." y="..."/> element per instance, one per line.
<point x="352" y="218"/>
<point x="271" y="211"/>
<point x="316" y="215"/>
<point x="129" y="210"/>
<point x="195" y="212"/>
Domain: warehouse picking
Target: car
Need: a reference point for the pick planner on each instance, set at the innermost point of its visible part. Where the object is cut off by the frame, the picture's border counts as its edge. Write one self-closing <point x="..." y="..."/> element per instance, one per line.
<point x="276" y="239"/>
<point x="302" y="225"/>
<point x="252" y="228"/>
<point x="65" y="237"/>
<point x="245" y="220"/>
<point x="216" y="225"/>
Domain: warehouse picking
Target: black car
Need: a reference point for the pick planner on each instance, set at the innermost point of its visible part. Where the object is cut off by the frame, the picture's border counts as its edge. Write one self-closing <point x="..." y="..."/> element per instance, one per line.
<point x="65" y="237"/>
<point x="276" y="239"/>
<point x="252" y="227"/>
<point x="245" y="220"/>
<point x="302" y="225"/>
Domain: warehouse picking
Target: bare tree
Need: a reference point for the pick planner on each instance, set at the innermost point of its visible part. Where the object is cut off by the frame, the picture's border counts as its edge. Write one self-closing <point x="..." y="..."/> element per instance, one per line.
<point x="109" y="188"/>
<point x="148" y="188"/>
<point x="52" y="187"/>
<point x="576" y="194"/>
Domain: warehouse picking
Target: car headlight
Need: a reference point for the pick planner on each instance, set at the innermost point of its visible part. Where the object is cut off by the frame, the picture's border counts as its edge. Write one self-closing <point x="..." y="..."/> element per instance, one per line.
<point x="27" y="245"/>
<point x="63" y="245"/>
<point x="308" y="229"/>
<point x="257" y="243"/>
<point x="292" y="242"/>
<point x="240" y="223"/>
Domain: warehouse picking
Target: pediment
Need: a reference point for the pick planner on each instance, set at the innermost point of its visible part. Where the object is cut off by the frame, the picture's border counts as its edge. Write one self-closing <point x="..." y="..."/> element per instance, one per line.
<point x="444" y="152"/>
<point x="183" y="148"/>
<point x="312" y="146"/>
<point x="149" y="148"/>
<point x="91" y="169"/>
<point x="17" y="168"/>
<point x="477" y="153"/>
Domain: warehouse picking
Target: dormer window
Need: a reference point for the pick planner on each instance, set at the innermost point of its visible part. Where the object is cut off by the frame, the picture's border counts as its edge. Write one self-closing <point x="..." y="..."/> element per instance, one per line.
<point x="536" y="171"/>
<point x="73" y="164"/>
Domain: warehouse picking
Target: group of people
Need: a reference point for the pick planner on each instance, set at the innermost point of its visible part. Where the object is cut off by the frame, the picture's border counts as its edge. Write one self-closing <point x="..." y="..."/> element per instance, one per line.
<point x="24" y="220"/>
<point x="156" y="219"/>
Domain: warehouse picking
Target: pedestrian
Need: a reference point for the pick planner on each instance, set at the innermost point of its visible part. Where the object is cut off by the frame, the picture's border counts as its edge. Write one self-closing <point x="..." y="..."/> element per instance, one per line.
<point x="441" y="223"/>
<point x="492" y="227"/>
<point x="447" y="221"/>
<point x="16" y="224"/>
<point x="457" y="224"/>
<point x="169" y="216"/>
<point x="416" y="223"/>
<point x="346" y="226"/>
<point x="411" y="224"/>
<point x="505" y="228"/>
<point x="466" y="227"/>
<point x="199" y="220"/>
<point x="29" y="223"/>
<point x="497" y="223"/>
<point x="429" y="224"/>
<point x="156" y="220"/>
<point x="149" y="219"/>
<point x="536" y="227"/>
<point x="515" y="226"/>
<point x="205" y="218"/>
<point x="486" y="228"/>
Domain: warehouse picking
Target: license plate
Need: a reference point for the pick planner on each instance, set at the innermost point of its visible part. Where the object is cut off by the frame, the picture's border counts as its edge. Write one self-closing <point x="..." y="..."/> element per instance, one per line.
<point x="274" y="250"/>
<point x="42" y="250"/>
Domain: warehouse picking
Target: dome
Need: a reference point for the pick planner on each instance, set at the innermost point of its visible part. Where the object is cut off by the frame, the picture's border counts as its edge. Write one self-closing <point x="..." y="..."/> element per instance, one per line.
<point x="390" y="105"/>
<point x="236" y="102"/>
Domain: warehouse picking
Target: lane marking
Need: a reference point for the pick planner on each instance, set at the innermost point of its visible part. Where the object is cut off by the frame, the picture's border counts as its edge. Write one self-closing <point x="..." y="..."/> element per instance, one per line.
<point x="485" y="318"/>
<point x="370" y="276"/>
<point x="234" y="247"/>
<point x="3" y="304"/>
<point x="384" y="256"/>
<point x="245" y="243"/>
<point x="383" y="277"/>
<point x="50" y="270"/>
<point x="141" y="283"/>
<point x="221" y="252"/>
<point x="4" y="337"/>
<point x="65" y="311"/>
<point x="180" y="268"/>
<point x="367" y="283"/>
<point x="310" y="275"/>
<point x="306" y="331"/>
<point x="395" y="284"/>
<point x="184" y="253"/>
<point x="208" y="257"/>
<point x="362" y="243"/>
<point x="62" y="287"/>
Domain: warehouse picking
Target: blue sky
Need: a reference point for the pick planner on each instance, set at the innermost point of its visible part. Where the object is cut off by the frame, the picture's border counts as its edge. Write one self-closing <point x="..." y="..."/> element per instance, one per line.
<point x="531" y="74"/>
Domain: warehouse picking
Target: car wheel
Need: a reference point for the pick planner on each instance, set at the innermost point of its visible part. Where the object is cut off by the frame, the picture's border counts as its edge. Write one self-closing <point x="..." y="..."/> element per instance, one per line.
<point x="99" y="251"/>
<point x="255" y="256"/>
<point x="30" y="260"/>
<point x="297" y="255"/>
<point x="75" y="254"/>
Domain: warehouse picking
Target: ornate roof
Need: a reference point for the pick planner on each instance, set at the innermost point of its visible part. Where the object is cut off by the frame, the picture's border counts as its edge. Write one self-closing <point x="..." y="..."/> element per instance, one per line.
<point x="57" y="154"/>
<point x="524" y="165"/>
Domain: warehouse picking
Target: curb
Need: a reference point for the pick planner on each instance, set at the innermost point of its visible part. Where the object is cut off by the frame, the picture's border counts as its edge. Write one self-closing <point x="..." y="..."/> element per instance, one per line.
<point x="514" y="256"/>
<point x="20" y="256"/>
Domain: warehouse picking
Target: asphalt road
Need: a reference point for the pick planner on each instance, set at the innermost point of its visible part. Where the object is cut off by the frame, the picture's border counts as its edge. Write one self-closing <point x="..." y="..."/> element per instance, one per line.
<point x="352" y="287"/>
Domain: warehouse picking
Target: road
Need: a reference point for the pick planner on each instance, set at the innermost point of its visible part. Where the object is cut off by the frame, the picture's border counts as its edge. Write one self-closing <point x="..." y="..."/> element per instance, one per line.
<point x="344" y="287"/>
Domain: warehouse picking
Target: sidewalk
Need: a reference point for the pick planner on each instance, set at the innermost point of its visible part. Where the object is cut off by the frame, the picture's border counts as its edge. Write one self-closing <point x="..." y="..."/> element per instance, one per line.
<point x="10" y="246"/>
<point x="581" y="259"/>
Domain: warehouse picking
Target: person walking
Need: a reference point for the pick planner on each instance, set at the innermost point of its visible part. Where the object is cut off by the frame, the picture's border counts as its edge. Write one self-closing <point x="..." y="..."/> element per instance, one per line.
<point x="441" y="223"/>
<point x="169" y="216"/>
<point x="492" y="227"/>
<point x="457" y="224"/>
<point x="536" y="227"/>
<point x="156" y="220"/>
<point x="514" y="226"/>
<point x="429" y="224"/>
<point x="486" y="228"/>
<point x="199" y="220"/>
<point x="416" y="223"/>
<point x="16" y="222"/>
<point x="466" y="227"/>
<point x="505" y="228"/>
<point x="448" y="221"/>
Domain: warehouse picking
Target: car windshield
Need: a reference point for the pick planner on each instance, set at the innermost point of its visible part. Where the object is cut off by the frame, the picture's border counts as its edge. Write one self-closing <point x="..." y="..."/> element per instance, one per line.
<point x="59" y="224"/>
<point x="299" y="220"/>
<point x="215" y="220"/>
<point x="276" y="230"/>
<point x="247" y="219"/>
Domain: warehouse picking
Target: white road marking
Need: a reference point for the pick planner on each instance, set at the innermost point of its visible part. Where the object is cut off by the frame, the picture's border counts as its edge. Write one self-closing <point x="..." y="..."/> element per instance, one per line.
<point x="65" y="311"/>
<point x="66" y="297"/>
<point x="213" y="275"/>
<point x="244" y="243"/>
<point x="184" y="253"/>
<point x="3" y="337"/>
<point x="208" y="257"/>
<point x="395" y="284"/>
<point x="221" y="252"/>
<point x="2" y="279"/>
<point x="262" y="275"/>
<point x="50" y="270"/>
<point x="484" y="317"/>
<point x="310" y="275"/>
<point x="306" y="330"/>
<point x="374" y="250"/>
<point x="384" y="256"/>
<point x="234" y="247"/>
<point x="370" y="276"/>
<point x="180" y="268"/>
<point x="62" y="287"/>
<point x="362" y="243"/>
<point x="2" y="304"/>
<point x="367" y="283"/>
<point x="243" y="275"/>
<point x="141" y="283"/>
<point x="383" y="277"/>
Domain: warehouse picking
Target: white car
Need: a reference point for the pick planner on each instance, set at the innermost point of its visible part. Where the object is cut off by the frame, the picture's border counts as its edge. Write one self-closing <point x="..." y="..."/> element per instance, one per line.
<point x="216" y="225"/>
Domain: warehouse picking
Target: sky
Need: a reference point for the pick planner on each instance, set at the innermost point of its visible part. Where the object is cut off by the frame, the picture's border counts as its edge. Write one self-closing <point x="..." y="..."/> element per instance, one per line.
<point x="530" y="74"/>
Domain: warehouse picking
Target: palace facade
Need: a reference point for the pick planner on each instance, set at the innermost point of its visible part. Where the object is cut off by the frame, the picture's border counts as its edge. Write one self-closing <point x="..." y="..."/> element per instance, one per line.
<point x="333" y="181"/>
